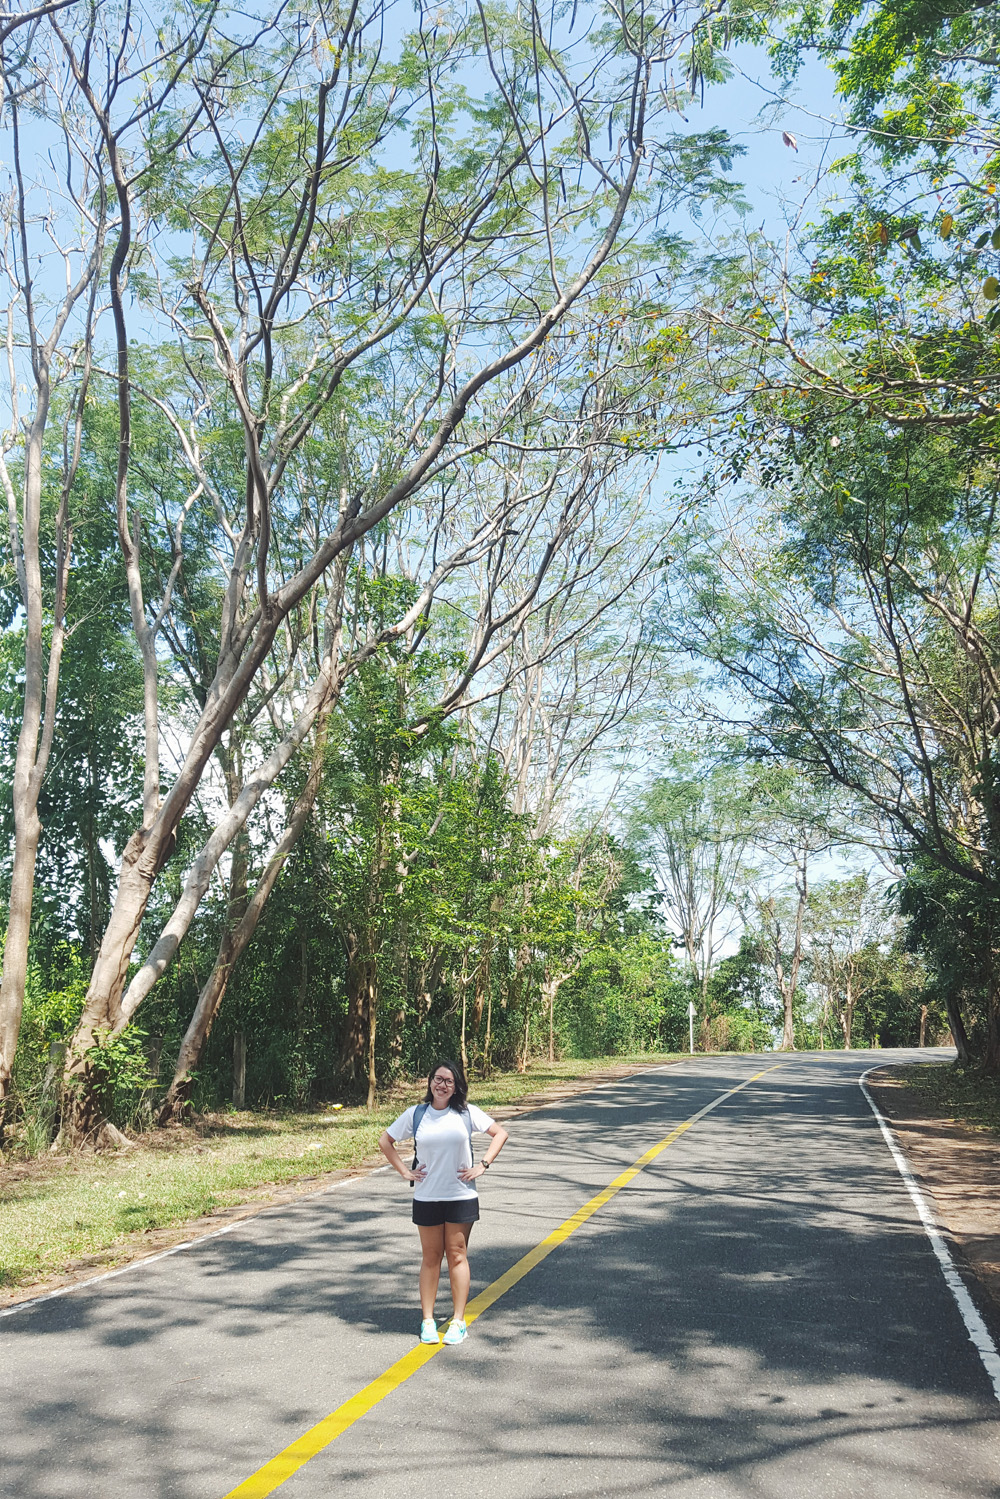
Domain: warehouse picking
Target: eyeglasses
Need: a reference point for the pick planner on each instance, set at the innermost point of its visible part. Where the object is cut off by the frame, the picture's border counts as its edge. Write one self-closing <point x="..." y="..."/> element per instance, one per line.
<point x="443" y="1077"/>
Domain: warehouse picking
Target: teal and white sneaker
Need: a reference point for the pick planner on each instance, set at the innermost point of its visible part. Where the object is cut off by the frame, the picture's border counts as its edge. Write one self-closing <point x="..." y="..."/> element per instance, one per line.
<point x="429" y="1331"/>
<point x="456" y="1333"/>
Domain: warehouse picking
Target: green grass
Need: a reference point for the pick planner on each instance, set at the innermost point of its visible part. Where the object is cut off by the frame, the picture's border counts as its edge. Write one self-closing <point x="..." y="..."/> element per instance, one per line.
<point x="949" y="1092"/>
<point x="67" y="1208"/>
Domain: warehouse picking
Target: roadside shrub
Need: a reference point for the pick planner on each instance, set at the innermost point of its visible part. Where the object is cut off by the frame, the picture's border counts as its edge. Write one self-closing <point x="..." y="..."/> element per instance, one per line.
<point x="51" y="1011"/>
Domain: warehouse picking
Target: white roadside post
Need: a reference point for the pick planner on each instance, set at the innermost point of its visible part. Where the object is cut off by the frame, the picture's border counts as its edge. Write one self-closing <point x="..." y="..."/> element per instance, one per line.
<point x="691" y="1014"/>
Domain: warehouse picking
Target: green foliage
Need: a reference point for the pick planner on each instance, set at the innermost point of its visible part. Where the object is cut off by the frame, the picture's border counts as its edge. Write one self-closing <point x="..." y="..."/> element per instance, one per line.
<point x="741" y="1013"/>
<point x="623" y="999"/>
<point x="120" y="1065"/>
<point x="851" y="601"/>
<point x="951" y="924"/>
<point x="49" y="1019"/>
<point x="52" y="1008"/>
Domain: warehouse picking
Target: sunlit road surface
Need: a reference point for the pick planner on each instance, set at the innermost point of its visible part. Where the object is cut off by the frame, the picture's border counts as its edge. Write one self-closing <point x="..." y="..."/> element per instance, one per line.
<point x="756" y="1312"/>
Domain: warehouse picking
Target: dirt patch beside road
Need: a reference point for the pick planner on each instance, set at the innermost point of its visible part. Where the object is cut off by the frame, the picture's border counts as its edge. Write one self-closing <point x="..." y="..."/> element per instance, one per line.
<point x="958" y="1165"/>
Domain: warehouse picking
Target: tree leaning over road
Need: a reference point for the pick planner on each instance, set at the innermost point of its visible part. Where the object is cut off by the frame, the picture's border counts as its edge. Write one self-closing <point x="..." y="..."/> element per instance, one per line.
<point x="843" y="577"/>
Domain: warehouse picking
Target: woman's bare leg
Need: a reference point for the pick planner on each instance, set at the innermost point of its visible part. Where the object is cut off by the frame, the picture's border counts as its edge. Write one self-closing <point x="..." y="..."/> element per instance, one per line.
<point x="432" y="1253"/>
<point x="456" y="1247"/>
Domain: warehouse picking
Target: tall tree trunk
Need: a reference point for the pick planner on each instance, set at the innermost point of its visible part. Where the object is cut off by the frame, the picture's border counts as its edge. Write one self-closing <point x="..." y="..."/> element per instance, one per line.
<point x="824" y="1013"/>
<point x="92" y="853"/>
<point x="522" y="1063"/>
<point x="787" y="992"/>
<point x="352" y="1052"/>
<point x="464" y="981"/>
<point x="847" y="1021"/>
<point x="520" y="988"/>
<point x="958" y="1032"/>
<point x="485" y="1062"/>
<point x="550" y="988"/>
<point x="790" y="984"/>
<point x="923" y="1025"/>
<point x="371" y="1016"/>
<point x="34" y="740"/>
<point x="301" y="1085"/>
<point x="402" y="972"/>
<point x="239" y="1070"/>
<point x="482" y="985"/>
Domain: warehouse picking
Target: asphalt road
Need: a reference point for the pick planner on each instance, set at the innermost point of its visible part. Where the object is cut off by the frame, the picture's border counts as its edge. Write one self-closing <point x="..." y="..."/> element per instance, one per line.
<point x="759" y="1313"/>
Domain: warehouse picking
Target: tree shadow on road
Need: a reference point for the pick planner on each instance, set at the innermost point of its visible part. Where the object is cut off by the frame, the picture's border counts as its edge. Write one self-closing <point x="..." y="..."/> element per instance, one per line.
<point x="755" y="1313"/>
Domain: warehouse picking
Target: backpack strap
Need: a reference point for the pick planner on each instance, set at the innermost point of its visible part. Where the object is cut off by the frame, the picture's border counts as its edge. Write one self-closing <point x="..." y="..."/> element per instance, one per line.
<point x="418" y="1114"/>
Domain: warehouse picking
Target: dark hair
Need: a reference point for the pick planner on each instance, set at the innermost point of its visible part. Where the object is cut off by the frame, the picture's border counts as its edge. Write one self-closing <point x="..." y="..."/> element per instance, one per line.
<point x="457" y="1099"/>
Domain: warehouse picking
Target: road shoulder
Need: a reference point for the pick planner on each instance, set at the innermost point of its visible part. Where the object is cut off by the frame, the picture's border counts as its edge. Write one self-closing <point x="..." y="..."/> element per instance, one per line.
<point x="959" y="1167"/>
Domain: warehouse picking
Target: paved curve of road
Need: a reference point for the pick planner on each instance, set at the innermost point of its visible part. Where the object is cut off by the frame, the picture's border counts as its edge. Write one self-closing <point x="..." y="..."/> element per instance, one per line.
<point x="758" y="1313"/>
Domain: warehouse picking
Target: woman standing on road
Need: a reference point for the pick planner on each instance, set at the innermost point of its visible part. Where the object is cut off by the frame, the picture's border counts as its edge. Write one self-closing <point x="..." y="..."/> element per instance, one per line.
<point x="445" y="1200"/>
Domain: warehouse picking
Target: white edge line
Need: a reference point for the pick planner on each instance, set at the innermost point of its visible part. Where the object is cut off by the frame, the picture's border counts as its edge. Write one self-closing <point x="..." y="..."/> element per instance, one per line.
<point x="974" y="1325"/>
<point x="164" y="1254"/>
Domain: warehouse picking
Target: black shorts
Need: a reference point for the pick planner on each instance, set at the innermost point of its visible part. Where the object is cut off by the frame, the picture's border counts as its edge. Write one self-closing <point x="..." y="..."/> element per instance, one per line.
<point x="432" y="1214"/>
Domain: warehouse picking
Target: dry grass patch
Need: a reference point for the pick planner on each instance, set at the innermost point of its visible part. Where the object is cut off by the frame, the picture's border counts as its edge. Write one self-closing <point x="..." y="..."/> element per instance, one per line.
<point x="949" y="1092"/>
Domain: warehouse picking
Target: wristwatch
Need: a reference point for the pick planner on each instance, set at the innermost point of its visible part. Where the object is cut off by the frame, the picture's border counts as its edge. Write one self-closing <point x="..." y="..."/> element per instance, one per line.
<point x="485" y="1165"/>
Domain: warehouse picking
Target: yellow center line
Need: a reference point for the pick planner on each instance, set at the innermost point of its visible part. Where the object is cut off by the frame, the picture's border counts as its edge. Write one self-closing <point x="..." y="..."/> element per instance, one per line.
<point x="276" y="1472"/>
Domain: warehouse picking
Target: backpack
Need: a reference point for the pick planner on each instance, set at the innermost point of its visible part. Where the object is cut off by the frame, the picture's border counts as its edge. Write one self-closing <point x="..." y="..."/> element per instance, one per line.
<point x="418" y="1114"/>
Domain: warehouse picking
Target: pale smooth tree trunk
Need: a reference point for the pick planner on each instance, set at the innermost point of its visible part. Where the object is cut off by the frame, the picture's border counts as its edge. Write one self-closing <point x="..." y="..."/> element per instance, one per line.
<point x="520" y="987"/>
<point x="486" y="1064"/>
<point x="38" y="720"/>
<point x="787" y="992"/>
<point x="788" y="985"/>
<point x="550" y="988"/>
<point x="824" y="1015"/>
<point x="847" y="1015"/>
<point x="371" y="998"/>
<point x="522" y="1065"/>
<point x="463" y="1048"/>
<point x="41" y="678"/>
<point x="239" y="1070"/>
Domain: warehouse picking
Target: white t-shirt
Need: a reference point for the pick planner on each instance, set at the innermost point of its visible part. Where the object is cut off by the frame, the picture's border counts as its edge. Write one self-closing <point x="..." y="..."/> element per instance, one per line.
<point x="443" y="1147"/>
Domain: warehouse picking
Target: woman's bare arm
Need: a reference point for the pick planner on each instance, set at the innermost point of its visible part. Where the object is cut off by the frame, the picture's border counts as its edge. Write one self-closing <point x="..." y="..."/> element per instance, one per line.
<point x="499" y="1140"/>
<point x="387" y="1146"/>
